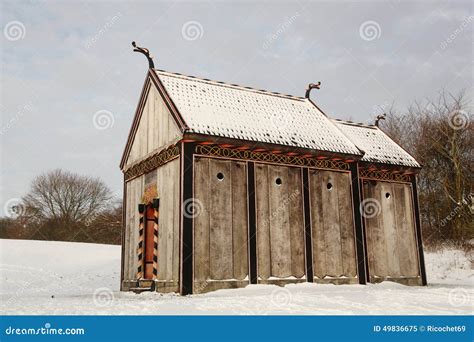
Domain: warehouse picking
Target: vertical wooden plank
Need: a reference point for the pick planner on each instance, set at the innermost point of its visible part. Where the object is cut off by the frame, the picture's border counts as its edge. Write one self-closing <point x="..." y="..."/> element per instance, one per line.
<point x="142" y="133"/>
<point x="127" y="256"/>
<point x="176" y="237"/>
<point x="346" y="222"/>
<point x="201" y="222"/>
<point x="151" y="121"/>
<point x="221" y="229"/>
<point x="280" y="244"/>
<point x="138" y="190"/>
<point x="169" y="221"/>
<point x="367" y="190"/>
<point x="403" y="230"/>
<point x="319" y="250"/>
<point x="162" y="114"/>
<point x="163" y="186"/>
<point x="410" y="236"/>
<point x="359" y="226"/>
<point x="239" y="219"/>
<point x="376" y="233"/>
<point x="132" y="262"/>
<point x="332" y="235"/>
<point x="296" y="220"/>
<point x="263" y="224"/>
<point x="388" y="216"/>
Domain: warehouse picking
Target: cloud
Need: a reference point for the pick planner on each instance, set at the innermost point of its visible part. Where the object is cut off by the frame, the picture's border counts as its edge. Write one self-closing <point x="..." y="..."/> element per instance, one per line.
<point x="75" y="59"/>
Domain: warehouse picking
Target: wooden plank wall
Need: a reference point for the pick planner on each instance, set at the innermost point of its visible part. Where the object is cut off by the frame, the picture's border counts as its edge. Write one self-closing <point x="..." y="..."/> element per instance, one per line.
<point x="334" y="253"/>
<point x="280" y="222"/>
<point x="220" y="224"/>
<point x="135" y="188"/>
<point x="156" y="129"/>
<point x="168" y="180"/>
<point x="391" y="239"/>
<point x="168" y="183"/>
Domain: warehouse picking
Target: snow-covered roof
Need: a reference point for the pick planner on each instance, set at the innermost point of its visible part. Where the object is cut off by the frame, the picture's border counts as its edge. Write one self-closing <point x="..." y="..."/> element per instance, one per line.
<point x="377" y="145"/>
<point x="232" y="111"/>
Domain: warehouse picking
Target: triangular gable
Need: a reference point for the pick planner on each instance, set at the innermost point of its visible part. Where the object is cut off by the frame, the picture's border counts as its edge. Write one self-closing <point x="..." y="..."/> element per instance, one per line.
<point x="156" y="124"/>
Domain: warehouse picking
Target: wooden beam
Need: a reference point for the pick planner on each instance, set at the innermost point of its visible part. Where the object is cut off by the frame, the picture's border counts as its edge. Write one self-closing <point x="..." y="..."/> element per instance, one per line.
<point x="307" y="224"/>
<point x="122" y="233"/>
<point x="252" y="222"/>
<point x="187" y="165"/>
<point x="362" y="265"/>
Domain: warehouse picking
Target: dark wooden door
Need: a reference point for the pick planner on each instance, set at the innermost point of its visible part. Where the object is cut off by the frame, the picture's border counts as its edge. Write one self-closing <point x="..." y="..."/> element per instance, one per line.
<point x="149" y="241"/>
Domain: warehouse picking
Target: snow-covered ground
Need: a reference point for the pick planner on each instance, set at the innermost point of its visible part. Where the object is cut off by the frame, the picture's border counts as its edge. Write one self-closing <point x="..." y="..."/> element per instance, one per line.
<point x="42" y="277"/>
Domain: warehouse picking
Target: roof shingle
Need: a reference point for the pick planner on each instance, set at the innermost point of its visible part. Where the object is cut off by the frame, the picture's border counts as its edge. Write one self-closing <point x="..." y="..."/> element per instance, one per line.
<point x="220" y="109"/>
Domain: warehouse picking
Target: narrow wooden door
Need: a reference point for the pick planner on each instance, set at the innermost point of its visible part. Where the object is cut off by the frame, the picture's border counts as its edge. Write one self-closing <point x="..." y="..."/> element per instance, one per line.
<point x="149" y="241"/>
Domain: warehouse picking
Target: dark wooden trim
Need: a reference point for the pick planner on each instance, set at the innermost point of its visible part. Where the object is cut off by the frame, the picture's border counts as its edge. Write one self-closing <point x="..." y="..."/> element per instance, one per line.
<point x="252" y="145"/>
<point x="364" y="231"/>
<point x="364" y="165"/>
<point x="136" y="120"/>
<point x="307" y="226"/>
<point x="152" y="162"/>
<point x="168" y="101"/>
<point x="252" y="222"/>
<point x="151" y="78"/>
<point x="122" y="233"/>
<point x="186" y="284"/>
<point x="359" y="225"/>
<point x="421" y="256"/>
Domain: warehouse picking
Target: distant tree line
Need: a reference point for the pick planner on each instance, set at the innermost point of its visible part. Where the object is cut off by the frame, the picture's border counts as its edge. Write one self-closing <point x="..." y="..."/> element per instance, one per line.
<point x="64" y="206"/>
<point x="439" y="134"/>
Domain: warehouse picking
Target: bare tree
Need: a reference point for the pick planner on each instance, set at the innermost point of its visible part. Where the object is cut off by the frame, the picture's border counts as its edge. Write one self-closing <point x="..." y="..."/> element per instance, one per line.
<point x="66" y="198"/>
<point x="439" y="134"/>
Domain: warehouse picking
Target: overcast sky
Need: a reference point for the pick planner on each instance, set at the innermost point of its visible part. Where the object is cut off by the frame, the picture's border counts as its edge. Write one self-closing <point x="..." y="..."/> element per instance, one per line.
<point x="63" y="62"/>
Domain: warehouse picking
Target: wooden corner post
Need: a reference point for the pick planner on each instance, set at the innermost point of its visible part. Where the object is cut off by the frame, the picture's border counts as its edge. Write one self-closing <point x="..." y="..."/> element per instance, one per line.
<point x="419" y="239"/>
<point x="187" y="217"/>
<point x="252" y="222"/>
<point x="308" y="227"/>
<point x="362" y="265"/>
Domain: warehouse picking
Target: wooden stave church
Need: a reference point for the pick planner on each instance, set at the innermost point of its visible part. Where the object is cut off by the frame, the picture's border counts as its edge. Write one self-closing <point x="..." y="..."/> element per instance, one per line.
<point x="213" y="200"/>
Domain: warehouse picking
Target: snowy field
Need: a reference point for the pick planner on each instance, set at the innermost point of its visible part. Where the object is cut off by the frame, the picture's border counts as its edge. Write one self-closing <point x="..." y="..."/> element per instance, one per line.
<point x="40" y="277"/>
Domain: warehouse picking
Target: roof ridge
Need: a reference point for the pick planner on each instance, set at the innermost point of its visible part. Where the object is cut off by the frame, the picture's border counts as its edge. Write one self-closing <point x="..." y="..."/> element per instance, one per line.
<point x="231" y="85"/>
<point x="351" y="123"/>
